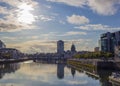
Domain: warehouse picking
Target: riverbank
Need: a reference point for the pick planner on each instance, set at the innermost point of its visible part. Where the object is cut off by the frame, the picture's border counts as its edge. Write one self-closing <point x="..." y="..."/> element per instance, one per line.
<point x="114" y="80"/>
<point x="96" y="68"/>
<point x="92" y="63"/>
<point x="7" y="61"/>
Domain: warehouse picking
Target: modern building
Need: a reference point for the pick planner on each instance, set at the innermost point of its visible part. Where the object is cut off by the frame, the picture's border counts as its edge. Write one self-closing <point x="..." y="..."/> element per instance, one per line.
<point x="73" y="49"/>
<point x="2" y="45"/>
<point x="60" y="47"/>
<point x="109" y="40"/>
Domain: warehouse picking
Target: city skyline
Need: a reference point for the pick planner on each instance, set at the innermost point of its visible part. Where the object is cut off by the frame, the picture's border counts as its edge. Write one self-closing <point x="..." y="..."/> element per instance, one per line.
<point x="36" y="25"/>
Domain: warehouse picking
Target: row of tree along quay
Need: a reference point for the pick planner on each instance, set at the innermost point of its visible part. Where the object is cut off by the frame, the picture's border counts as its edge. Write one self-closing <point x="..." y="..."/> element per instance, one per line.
<point x="104" y="60"/>
<point x="95" y="55"/>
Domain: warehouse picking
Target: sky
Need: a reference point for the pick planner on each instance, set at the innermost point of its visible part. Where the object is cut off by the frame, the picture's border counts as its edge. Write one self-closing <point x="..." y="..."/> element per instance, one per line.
<point x="36" y="25"/>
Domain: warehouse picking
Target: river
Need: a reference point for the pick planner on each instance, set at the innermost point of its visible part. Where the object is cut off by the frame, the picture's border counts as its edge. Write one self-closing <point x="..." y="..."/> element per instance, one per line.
<point x="43" y="74"/>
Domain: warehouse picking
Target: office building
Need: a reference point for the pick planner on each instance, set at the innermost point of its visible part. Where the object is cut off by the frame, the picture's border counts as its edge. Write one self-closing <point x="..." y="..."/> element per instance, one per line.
<point x="60" y="47"/>
<point x="109" y="40"/>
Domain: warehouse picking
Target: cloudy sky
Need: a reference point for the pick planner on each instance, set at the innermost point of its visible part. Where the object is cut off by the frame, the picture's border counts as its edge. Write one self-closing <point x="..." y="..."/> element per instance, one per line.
<point x="35" y="25"/>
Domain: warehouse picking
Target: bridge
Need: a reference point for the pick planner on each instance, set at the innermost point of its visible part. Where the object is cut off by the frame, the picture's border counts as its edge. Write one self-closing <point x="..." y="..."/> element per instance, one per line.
<point x="49" y="59"/>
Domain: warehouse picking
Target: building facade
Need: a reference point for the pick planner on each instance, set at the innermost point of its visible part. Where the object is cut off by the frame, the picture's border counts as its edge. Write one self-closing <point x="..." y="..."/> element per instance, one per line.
<point x="10" y="53"/>
<point x="2" y="45"/>
<point x="109" y="40"/>
<point x="60" y="47"/>
<point x="117" y="53"/>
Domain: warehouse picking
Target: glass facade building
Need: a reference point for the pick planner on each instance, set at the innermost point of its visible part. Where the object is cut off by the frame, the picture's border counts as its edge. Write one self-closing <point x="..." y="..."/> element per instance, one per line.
<point x="109" y="40"/>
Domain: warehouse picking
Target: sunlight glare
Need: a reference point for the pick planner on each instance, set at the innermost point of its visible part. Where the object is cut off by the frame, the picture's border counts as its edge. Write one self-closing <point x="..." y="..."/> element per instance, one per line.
<point x="24" y="14"/>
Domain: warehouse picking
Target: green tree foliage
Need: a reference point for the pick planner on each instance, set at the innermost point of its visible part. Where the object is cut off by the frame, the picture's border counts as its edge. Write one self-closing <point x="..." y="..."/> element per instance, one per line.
<point x="94" y="55"/>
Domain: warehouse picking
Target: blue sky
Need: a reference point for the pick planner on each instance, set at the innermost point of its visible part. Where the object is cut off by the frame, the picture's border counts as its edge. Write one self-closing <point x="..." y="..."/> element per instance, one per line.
<point x="35" y="25"/>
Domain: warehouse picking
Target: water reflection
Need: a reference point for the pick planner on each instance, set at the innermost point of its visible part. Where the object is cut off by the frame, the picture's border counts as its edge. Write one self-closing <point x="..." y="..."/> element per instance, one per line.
<point x="98" y="74"/>
<point x="60" y="70"/>
<point x="8" y="68"/>
<point x="73" y="71"/>
<point x="39" y="74"/>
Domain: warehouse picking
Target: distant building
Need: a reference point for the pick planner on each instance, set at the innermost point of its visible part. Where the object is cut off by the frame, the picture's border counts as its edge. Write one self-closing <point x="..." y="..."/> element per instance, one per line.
<point x="109" y="40"/>
<point x="73" y="49"/>
<point x="96" y="49"/>
<point x="10" y="53"/>
<point x="2" y="45"/>
<point x="60" y="47"/>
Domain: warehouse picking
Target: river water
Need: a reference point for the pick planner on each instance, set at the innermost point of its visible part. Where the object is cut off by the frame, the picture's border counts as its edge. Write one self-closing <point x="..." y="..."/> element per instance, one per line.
<point x="39" y="74"/>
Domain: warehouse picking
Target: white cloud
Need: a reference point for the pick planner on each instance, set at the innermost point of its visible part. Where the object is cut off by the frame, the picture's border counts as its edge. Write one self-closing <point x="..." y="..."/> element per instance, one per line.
<point x="62" y="22"/>
<point x="9" y="38"/>
<point x="50" y="35"/>
<point x="103" y="7"/>
<point x="15" y="3"/>
<point x="48" y="6"/>
<point x="80" y="44"/>
<point x="35" y="46"/>
<point x="45" y="18"/>
<point x="98" y="27"/>
<point x="3" y="10"/>
<point x="34" y="37"/>
<point x="71" y="33"/>
<point x="77" y="3"/>
<point x="78" y="40"/>
<point x="77" y="19"/>
<point x="9" y="22"/>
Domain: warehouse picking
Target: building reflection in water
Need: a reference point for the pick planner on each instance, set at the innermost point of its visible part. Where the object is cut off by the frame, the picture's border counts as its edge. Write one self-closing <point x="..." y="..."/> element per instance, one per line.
<point x="102" y="75"/>
<point x="8" y="68"/>
<point x="73" y="72"/>
<point x="60" y="70"/>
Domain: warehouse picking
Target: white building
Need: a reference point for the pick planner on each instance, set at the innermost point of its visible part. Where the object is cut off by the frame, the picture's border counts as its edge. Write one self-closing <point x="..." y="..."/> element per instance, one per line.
<point x="60" y="47"/>
<point x="2" y="45"/>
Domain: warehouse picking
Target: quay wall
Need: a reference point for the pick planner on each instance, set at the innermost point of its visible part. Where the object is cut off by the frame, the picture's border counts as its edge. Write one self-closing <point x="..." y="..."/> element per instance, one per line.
<point x="94" y="64"/>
